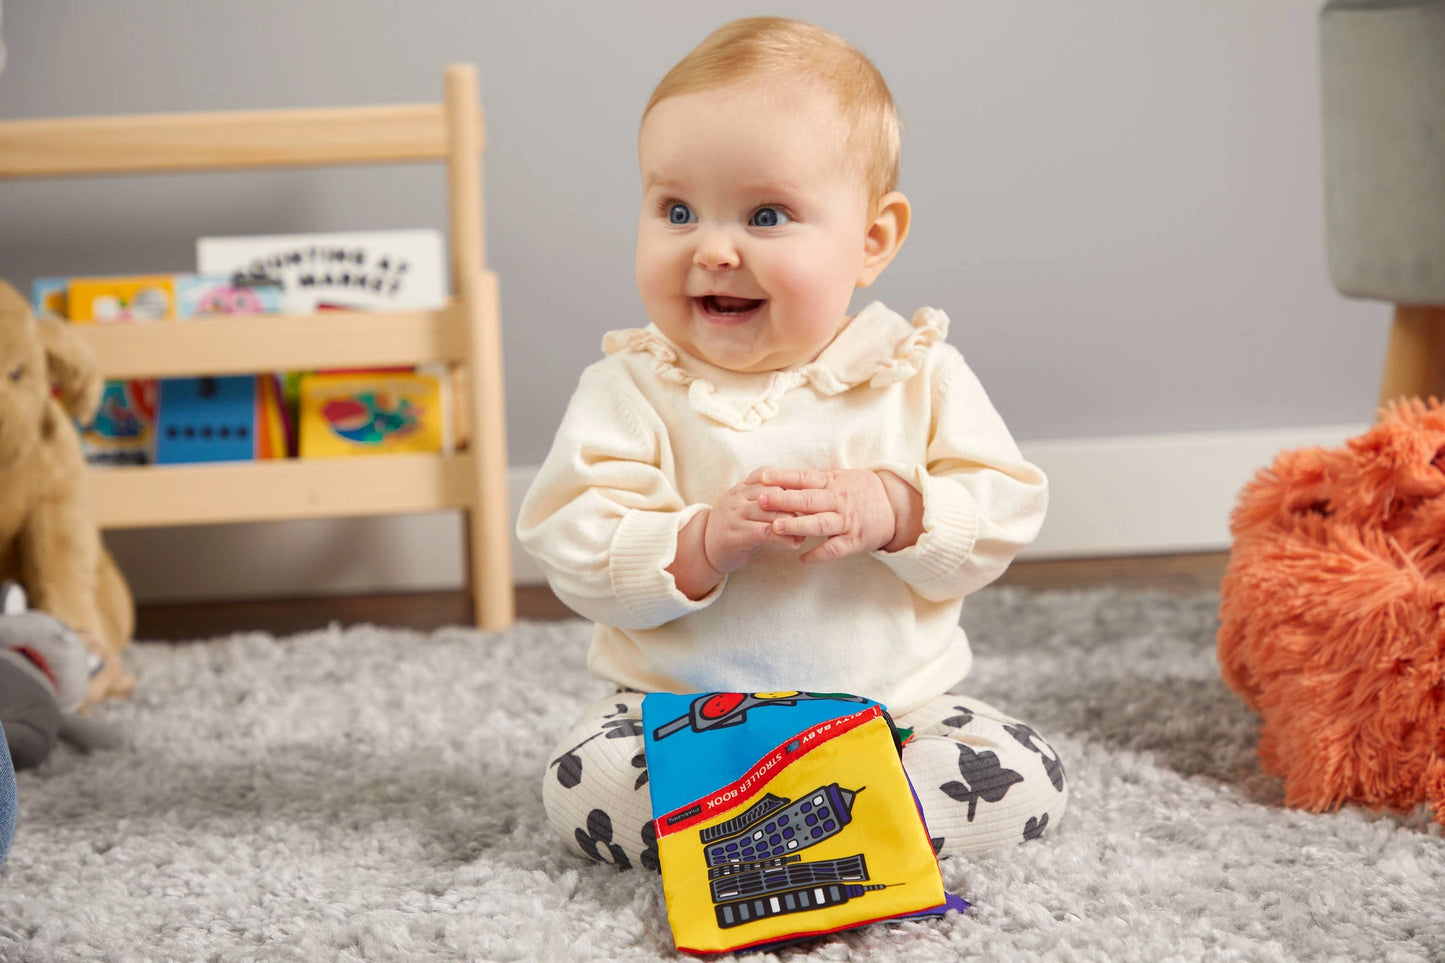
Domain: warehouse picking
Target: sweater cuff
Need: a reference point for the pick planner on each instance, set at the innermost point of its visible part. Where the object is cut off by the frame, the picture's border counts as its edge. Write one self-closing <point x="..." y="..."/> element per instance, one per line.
<point x="950" y="529"/>
<point x="644" y="545"/>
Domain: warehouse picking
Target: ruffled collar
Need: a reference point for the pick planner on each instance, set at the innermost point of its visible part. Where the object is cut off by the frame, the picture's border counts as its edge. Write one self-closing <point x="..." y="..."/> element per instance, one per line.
<point x="878" y="347"/>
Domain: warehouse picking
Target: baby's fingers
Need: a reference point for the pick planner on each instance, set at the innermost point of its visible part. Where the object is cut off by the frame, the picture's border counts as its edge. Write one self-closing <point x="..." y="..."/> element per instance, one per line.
<point x="822" y="523"/>
<point x="790" y="477"/>
<point x="838" y="546"/>
<point x="807" y="500"/>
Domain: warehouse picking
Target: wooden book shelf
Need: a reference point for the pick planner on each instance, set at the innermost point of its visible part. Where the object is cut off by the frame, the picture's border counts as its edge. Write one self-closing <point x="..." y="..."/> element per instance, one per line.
<point x="465" y="334"/>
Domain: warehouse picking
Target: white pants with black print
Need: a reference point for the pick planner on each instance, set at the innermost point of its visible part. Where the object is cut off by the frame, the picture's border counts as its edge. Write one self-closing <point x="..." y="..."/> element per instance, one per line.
<point x="983" y="779"/>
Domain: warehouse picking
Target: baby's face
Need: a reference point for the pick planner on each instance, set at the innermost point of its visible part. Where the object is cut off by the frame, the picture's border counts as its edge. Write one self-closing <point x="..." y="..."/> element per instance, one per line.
<point x="751" y="236"/>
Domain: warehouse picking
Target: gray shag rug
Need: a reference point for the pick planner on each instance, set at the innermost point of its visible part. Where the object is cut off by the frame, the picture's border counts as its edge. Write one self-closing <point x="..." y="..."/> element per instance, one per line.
<point x="372" y="794"/>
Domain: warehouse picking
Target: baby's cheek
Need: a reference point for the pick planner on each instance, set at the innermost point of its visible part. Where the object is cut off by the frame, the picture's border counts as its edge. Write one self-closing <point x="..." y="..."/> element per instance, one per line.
<point x="813" y="285"/>
<point x="660" y="276"/>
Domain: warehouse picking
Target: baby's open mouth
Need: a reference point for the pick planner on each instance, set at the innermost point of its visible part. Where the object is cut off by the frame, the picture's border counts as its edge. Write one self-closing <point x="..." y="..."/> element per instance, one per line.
<point x="725" y="305"/>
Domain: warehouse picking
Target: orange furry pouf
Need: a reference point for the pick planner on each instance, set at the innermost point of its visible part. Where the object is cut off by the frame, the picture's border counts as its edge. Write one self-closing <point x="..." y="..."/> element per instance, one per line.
<point x="1332" y="616"/>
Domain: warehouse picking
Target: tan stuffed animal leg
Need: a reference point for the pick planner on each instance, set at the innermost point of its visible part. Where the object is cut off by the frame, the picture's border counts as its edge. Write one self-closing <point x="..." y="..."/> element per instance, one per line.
<point x="117" y="608"/>
<point x="117" y="619"/>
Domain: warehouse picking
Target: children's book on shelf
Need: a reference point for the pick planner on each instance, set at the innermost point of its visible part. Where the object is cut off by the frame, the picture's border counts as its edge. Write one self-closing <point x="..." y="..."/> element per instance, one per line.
<point x="123" y="430"/>
<point x="357" y="270"/>
<point x="206" y="419"/>
<point x="230" y="418"/>
<point x="48" y="298"/>
<point x="364" y="413"/>
<point x="212" y="295"/>
<point x="108" y="300"/>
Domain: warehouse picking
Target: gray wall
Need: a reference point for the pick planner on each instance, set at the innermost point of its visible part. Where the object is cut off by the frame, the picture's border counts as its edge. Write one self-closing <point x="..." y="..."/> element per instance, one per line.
<point x="1118" y="202"/>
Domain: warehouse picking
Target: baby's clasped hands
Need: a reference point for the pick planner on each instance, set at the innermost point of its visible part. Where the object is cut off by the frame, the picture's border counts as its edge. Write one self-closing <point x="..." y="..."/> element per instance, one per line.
<point x="739" y="524"/>
<point x="854" y="509"/>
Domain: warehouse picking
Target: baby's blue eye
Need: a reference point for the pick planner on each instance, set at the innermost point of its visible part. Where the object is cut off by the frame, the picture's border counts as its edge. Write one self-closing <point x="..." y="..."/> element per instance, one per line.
<point x="768" y="217"/>
<point x="679" y="214"/>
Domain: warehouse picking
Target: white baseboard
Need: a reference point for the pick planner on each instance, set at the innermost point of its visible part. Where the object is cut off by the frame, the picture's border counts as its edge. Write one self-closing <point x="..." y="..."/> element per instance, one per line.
<point x="1133" y="495"/>
<point x="1155" y="494"/>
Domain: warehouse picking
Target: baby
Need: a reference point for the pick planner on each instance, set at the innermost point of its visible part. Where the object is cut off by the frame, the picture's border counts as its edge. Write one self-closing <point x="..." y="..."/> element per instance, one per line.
<point x="759" y="492"/>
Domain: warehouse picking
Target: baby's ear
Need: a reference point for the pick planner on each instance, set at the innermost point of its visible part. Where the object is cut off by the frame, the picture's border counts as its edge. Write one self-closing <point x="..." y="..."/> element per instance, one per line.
<point x="71" y="367"/>
<point x="885" y="235"/>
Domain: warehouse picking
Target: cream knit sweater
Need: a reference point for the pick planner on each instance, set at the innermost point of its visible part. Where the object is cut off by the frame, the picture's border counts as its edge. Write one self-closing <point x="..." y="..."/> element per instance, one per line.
<point x="653" y="435"/>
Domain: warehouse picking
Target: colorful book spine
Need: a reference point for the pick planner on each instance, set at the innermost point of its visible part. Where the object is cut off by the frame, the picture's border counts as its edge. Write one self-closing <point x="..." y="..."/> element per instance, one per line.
<point x="273" y="425"/>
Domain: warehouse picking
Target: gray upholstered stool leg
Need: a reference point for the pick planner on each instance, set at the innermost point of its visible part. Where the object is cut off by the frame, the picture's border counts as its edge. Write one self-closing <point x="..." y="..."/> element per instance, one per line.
<point x="1382" y="71"/>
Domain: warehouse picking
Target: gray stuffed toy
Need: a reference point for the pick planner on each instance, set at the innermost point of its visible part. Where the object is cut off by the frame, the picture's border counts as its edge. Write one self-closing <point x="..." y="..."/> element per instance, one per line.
<point x="44" y="671"/>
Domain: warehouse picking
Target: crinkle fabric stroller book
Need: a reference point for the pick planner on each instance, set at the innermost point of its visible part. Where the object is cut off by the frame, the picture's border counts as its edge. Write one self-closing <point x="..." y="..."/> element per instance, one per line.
<point x="783" y="816"/>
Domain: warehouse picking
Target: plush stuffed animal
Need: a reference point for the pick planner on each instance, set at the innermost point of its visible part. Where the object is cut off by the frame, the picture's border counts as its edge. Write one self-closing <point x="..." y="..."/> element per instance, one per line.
<point x="45" y="669"/>
<point x="49" y="541"/>
<point x="1332" y="616"/>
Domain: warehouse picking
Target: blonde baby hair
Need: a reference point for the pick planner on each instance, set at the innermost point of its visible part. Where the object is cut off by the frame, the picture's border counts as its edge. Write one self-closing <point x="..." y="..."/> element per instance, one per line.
<point x="774" y="48"/>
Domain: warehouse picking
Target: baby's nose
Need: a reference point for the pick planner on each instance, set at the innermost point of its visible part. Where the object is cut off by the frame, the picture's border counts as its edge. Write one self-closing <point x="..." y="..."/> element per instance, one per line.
<point x="716" y="251"/>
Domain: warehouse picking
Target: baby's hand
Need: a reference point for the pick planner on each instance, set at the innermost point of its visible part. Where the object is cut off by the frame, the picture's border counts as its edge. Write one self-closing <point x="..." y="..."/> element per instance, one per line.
<point x="849" y="507"/>
<point x="738" y="525"/>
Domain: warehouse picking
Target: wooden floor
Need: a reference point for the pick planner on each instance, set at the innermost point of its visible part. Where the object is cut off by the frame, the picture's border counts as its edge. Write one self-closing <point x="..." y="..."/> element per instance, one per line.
<point x="428" y="610"/>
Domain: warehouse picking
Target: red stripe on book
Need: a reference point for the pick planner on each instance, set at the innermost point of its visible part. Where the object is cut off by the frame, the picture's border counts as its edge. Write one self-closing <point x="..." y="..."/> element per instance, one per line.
<point x="738" y="793"/>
